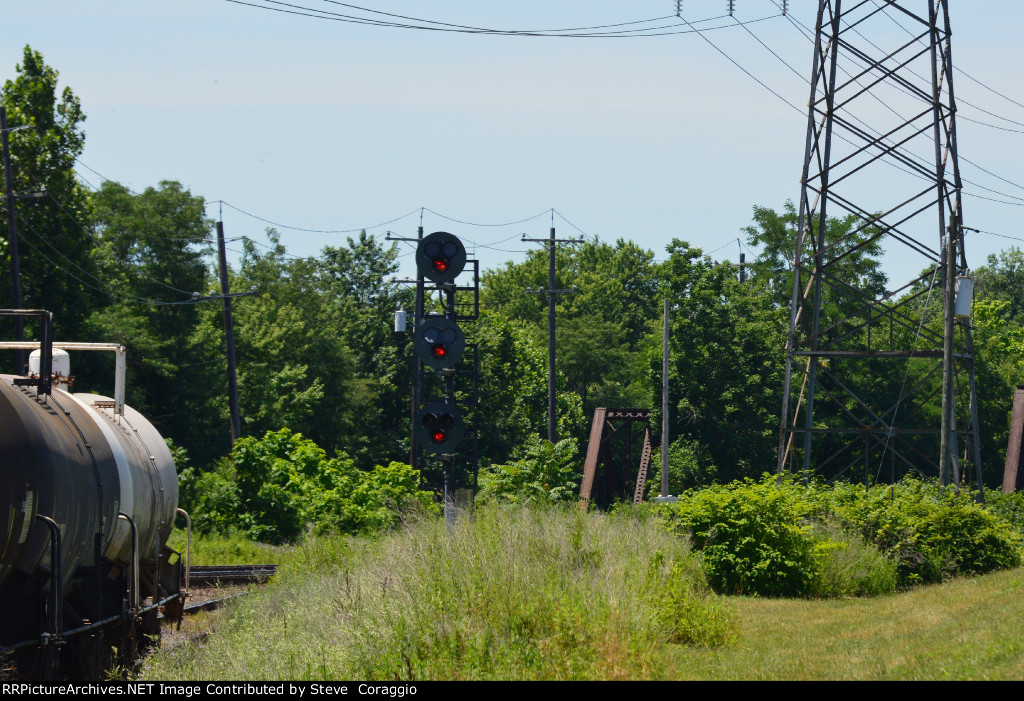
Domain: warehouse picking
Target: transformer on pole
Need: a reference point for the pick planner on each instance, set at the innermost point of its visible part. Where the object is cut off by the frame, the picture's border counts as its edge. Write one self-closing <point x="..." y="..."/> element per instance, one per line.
<point x="880" y="380"/>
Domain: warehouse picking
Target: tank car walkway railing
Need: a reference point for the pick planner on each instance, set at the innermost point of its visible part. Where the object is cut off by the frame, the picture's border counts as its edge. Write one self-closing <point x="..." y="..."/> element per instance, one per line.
<point x="119" y="367"/>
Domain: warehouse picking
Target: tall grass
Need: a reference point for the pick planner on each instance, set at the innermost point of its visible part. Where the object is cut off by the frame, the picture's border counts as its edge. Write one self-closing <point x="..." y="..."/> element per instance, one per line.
<point x="509" y="593"/>
<point x="234" y="549"/>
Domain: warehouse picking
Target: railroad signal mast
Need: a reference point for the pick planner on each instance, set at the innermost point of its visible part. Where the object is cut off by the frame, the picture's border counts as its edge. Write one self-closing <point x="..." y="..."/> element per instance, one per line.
<point x="867" y="369"/>
<point x="439" y="345"/>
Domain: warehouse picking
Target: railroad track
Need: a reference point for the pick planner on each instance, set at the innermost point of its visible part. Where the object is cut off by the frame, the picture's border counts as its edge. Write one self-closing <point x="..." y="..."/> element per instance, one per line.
<point x="211" y="604"/>
<point x="230" y="574"/>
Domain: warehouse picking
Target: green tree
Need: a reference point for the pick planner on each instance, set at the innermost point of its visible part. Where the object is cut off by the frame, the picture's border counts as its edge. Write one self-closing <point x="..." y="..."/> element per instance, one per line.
<point x="999" y="368"/>
<point x="357" y="280"/>
<point x="295" y="367"/>
<point x="151" y="252"/>
<point x="776" y="234"/>
<point x="725" y="371"/>
<point x="600" y="328"/>
<point x="53" y="231"/>
<point x="513" y="386"/>
<point x="1002" y="278"/>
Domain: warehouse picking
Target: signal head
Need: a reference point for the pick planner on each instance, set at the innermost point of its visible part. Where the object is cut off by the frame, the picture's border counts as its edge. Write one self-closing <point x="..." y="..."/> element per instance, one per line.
<point x="440" y="257"/>
<point x="439" y="342"/>
<point x="439" y="428"/>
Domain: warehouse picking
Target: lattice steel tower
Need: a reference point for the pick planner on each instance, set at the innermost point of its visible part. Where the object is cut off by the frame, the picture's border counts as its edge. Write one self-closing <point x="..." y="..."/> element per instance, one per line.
<point x="880" y="380"/>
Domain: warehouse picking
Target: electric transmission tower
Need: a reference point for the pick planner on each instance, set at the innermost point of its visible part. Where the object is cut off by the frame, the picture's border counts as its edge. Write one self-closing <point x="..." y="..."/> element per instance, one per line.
<point x="880" y="380"/>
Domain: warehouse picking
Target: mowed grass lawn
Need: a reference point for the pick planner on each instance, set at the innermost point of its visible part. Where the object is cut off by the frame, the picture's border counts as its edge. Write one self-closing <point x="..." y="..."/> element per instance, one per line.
<point x="964" y="629"/>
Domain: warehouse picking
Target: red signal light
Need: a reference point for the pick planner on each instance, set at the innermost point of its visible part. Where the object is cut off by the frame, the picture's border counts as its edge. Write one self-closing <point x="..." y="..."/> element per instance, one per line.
<point x="440" y="265"/>
<point x="439" y="350"/>
<point x="438" y="436"/>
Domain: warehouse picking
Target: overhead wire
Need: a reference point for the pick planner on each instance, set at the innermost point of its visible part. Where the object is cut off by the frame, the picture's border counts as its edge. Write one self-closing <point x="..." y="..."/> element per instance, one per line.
<point x="567" y="29"/>
<point x="27" y="226"/>
<point x="689" y="24"/>
<point x="960" y="99"/>
<point x="432" y="25"/>
<point x="290" y="227"/>
<point x="592" y="239"/>
<point x="316" y="231"/>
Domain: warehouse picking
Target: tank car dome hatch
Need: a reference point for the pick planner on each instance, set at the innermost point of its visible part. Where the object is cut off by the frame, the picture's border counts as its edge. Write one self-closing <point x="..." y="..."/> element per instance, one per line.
<point x="61" y="364"/>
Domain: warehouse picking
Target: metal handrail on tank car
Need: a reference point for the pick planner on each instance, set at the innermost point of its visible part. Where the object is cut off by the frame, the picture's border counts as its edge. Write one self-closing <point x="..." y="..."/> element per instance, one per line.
<point x="116" y="348"/>
<point x="133" y="581"/>
<point x="45" y="344"/>
<point x="56" y="581"/>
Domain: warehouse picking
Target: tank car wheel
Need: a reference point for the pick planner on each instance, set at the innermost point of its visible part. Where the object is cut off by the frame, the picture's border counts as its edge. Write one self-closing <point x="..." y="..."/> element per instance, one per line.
<point x="86" y="658"/>
<point x="128" y="646"/>
<point x="39" y="663"/>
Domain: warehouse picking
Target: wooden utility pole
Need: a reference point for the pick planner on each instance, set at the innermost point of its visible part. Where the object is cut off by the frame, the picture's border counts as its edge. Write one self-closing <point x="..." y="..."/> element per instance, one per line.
<point x="947" y="438"/>
<point x="417" y="371"/>
<point x="12" y="237"/>
<point x="551" y="292"/>
<point x="229" y="334"/>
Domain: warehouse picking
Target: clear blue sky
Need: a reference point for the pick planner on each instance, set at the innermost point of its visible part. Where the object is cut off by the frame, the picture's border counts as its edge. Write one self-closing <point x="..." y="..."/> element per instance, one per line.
<point x="328" y="125"/>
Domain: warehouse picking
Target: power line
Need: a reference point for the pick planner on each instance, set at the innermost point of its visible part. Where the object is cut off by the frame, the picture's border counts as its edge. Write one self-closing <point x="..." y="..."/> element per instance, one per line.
<point x="900" y="25"/>
<point x="478" y="244"/>
<point x="992" y="233"/>
<point x="436" y="26"/>
<point x="700" y="33"/>
<point x="468" y="223"/>
<point x="124" y="298"/>
<point x="481" y="29"/>
<point x="314" y="231"/>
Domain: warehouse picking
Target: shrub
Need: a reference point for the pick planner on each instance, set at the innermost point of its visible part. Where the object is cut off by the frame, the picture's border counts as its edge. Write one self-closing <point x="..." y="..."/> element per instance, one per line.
<point x="930" y="532"/>
<point x="782" y="537"/>
<point x="750" y="536"/>
<point x="275" y="488"/>
<point x="1009" y="507"/>
<point x="546" y="473"/>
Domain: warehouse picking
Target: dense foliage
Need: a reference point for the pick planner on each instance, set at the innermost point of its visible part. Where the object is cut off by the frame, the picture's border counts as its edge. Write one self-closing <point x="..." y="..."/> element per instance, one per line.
<point x="784" y="537"/>
<point x="546" y="473"/>
<point x="275" y="489"/>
